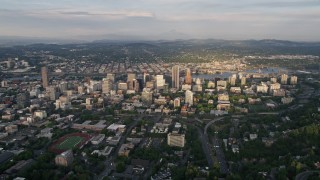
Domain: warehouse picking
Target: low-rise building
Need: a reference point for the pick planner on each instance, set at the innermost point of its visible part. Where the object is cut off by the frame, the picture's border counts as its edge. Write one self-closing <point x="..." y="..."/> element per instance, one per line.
<point x="19" y="166"/>
<point x="223" y="97"/>
<point x="64" y="159"/>
<point x="116" y="127"/>
<point x="263" y="88"/>
<point x="254" y="101"/>
<point x="86" y="125"/>
<point x="223" y="105"/>
<point x="105" y="152"/>
<point x="174" y="139"/>
<point x="41" y="114"/>
<point x="125" y="149"/>
<point x="279" y="93"/>
<point x="46" y="132"/>
<point x="113" y="140"/>
<point x="98" y="139"/>
<point x="253" y="136"/>
<point x="236" y="90"/>
<point x="235" y="148"/>
<point x="287" y="100"/>
<point x="11" y="128"/>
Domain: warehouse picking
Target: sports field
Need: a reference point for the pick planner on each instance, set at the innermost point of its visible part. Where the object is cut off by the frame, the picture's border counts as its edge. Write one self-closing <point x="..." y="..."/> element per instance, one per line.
<point x="70" y="142"/>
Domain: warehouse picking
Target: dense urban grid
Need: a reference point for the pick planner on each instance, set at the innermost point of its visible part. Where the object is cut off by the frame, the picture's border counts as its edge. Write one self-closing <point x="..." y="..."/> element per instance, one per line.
<point x="160" y="110"/>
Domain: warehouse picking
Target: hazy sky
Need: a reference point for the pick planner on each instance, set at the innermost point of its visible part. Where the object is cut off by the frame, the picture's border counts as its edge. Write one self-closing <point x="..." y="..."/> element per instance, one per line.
<point x="221" y="19"/>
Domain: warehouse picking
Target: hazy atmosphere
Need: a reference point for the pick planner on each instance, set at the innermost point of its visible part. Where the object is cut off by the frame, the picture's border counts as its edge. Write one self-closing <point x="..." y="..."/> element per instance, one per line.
<point x="165" y="19"/>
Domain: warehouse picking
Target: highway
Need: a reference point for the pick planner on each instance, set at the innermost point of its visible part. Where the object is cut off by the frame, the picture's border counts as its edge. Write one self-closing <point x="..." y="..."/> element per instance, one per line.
<point x="217" y="146"/>
<point x="206" y="147"/>
<point x="210" y="123"/>
<point x="220" y="155"/>
<point x="305" y="175"/>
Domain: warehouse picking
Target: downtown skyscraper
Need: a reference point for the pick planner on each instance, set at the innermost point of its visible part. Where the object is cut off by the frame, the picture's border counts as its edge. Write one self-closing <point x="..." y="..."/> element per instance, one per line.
<point x="175" y="77"/>
<point x="44" y="76"/>
<point x="188" y="79"/>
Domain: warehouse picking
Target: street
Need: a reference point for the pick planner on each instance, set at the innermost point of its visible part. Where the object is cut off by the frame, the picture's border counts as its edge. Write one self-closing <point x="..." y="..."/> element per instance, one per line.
<point x="217" y="146"/>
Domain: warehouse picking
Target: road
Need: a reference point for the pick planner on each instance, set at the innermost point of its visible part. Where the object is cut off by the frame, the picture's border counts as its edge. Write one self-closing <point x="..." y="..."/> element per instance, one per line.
<point x="205" y="146"/>
<point x="305" y="175"/>
<point x="210" y="123"/>
<point x="217" y="146"/>
<point x="220" y="155"/>
<point x="109" y="163"/>
<point x="205" y="141"/>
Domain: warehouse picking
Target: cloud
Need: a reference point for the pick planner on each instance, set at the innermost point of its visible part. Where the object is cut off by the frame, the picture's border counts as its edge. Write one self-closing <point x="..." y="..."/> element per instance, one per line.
<point x="290" y="4"/>
<point x="68" y="14"/>
<point x="122" y="13"/>
<point x="198" y="18"/>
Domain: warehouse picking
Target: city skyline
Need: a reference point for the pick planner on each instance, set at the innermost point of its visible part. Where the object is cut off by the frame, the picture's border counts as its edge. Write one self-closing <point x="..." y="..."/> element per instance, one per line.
<point x="101" y="110"/>
<point x="151" y="20"/>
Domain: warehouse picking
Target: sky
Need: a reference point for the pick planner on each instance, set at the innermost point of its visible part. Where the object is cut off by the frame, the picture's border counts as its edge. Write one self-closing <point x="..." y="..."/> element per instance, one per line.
<point x="162" y="19"/>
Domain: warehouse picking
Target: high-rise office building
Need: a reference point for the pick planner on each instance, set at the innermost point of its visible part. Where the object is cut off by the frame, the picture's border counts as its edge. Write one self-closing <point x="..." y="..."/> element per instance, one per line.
<point x="189" y="97"/>
<point x="44" y="76"/>
<point x="122" y="86"/>
<point x="80" y="89"/>
<point x="135" y="85"/>
<point x="198" y="81"/>
<point x="188" y="79"/>
<point x="284" y="79"/>
<point x="232" y="80"/>
<point x="146" y="77"/>
<point x="141" y="84"/>
<point x="4" y="83"/>
<point x="273" y="79"/>
<point x="111" y="77"/>
<point x="150" y="84"/>
<point x="175" y="77"/>
<point x="131" y="77"/>
<point x="146" y="96"/>
<point x="222" y="83"/>
<point x="107" y="85"/>
<point x="23" y="100"/>
<point x="160" y="81"/>
<point x="176" y="102"/>
<point x="293" y="80"/>
<point x="211" y="84"/>
<point x="63" y="86"/>
<point x="52" y="93"/>
<point x="243" y="81"/>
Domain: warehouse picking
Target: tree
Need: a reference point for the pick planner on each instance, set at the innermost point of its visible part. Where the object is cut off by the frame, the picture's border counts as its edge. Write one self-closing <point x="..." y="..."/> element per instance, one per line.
<point x="120" y="167"/>
<point x="24" y="155"/>
<point x="192" y="172"/>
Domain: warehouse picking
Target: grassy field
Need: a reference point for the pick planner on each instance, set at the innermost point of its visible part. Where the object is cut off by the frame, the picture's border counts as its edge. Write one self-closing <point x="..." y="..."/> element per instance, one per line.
<point x="70" y="143"/>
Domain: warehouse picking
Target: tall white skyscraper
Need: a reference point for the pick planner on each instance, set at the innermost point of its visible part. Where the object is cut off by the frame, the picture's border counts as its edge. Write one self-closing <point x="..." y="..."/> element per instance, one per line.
<point x="293" y="80"/>
<point x="284" y="79"/>
<point x="160" y="81"/>
<point x="189" y="97"/>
